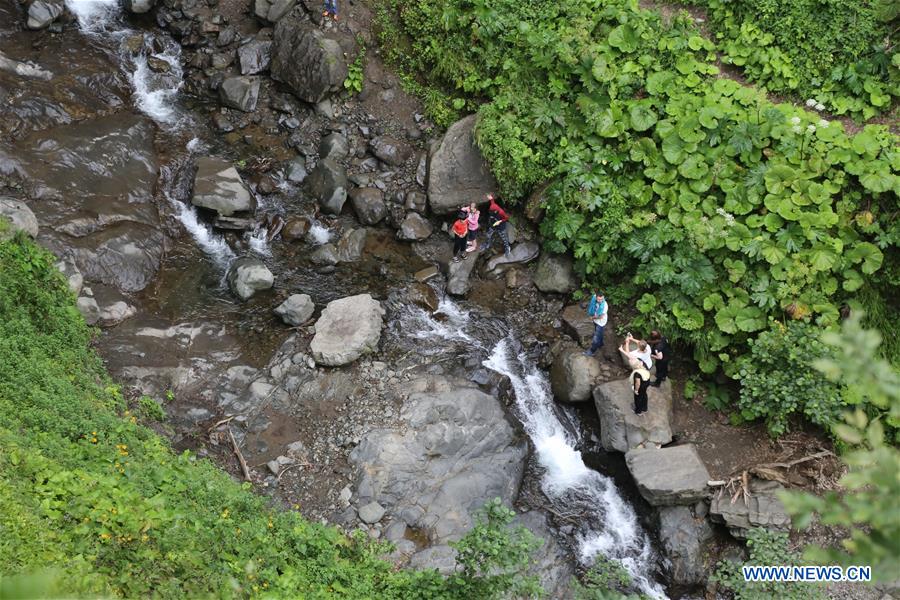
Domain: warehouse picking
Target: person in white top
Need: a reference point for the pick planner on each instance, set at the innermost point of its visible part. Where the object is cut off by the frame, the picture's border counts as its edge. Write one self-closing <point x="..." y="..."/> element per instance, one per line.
<point x="637" y="357"/>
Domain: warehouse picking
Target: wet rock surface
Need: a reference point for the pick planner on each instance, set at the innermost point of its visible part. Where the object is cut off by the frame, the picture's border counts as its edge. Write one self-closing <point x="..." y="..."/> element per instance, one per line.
<point x="684" y="538"/>
<point x="219" y="187"/>
<point x="248" y="275"/>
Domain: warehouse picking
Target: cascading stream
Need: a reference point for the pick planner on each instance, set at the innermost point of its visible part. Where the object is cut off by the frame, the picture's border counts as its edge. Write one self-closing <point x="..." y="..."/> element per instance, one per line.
<point x="610" y="525"/>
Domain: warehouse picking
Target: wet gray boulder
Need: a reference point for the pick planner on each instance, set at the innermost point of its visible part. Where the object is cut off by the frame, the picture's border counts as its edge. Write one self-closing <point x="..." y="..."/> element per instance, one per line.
<point x="255" y="57"/>
<point x="684" y="541"/>
<point x="295" y="170"/>
<point x="247" y="275"/>
<point x="459" y="274"/>
<point x="219" y="187"/>
<point x="452" y="451"/>
<point x="519" y="254"/>
<point x="368" y="204"/>
<point x="371" y="513"/>
<point x="271" y="11"/>
<point x="414" y="227"/>
<point x="555" y="274"/>
<point x="138" y="7"/>
<point x="327" y="183"/>
<point x="457" y="172"/>
<point x="124" y="255"/>
<point x="23" y="69"/>
<point x="240" y="93"/>
<point x="423" y="295"/>
<point x="309" y="63"/>
<point x="572" y="376"/>
<point x="347" y="329"/>
<point x="296" y="310"/>
<point x="334" y="146"/>
<point x="325" y="255"/>
<point x="16" y="216"/>
<point x="352" y="244"/>
<point x="669" y="476"/>
<point x="762" y="509"/>
<point x="622" y="430"/>
<point x="43" y="12"/>
<point x="390" y="150"/>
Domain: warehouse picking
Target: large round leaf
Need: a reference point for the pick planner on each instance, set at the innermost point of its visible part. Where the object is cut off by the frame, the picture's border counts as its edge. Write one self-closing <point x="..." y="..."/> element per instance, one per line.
<point x="870" y="256"/>
<point x="642" y="116"/>
<point x="693" y="167"/>
<point x="625" y="38"/>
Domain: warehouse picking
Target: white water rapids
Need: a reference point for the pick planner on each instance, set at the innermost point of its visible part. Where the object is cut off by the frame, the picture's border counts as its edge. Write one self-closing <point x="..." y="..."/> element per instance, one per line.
<point x="611" y="526"/>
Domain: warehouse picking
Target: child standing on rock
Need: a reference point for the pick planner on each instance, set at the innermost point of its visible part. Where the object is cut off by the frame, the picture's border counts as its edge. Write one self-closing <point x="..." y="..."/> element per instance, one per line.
<point x="472" y="216"/>
<point x="459" y="231"/>
<point x="331" y="9"/>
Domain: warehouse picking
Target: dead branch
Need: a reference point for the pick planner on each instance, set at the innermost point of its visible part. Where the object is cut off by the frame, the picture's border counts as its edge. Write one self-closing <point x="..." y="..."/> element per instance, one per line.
<point x="240" y="456"/>
<point x="222" y="422"/>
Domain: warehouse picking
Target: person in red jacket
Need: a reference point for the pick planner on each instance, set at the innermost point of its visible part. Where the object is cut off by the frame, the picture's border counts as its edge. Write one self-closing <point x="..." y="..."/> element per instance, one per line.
<point x="459" y="231"/>
<point x="497" y="224"/>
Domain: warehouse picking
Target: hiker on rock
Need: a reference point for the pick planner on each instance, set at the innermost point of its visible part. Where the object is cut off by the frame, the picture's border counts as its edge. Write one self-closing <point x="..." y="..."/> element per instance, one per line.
<point x="637" y="357"/>
<point x="472" y="216"/>
<point x="498" y="219"/>
<point x="598" y="313"/>
<point x="459" y="231"/>
<point x="661" y="353"/>
<point x="331" y="9"/>
<point x="640" y="381"/>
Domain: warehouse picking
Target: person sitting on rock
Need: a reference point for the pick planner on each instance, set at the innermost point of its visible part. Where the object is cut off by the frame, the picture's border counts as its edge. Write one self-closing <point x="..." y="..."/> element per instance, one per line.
<point x="459" y="232"/>
<point x="598" y="313"/>
<point x="498" y="219"/>
<point x="637" y="357"/>
<point x="472" y="216"/>
<point x="661" y="354"/>
<point x="331" y="9"/>
<point x="640" y="381"/>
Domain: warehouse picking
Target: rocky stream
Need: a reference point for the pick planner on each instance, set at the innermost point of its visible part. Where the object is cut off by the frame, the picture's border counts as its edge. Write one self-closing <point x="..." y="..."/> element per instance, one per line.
<point x="267" y="257"/>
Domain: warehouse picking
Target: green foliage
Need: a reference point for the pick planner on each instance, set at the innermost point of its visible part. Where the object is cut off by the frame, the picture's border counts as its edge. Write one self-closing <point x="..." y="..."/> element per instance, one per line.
<point x="151" y="409"/>
<point x="767" y="548"/>
<point x="605" y="580"/>
<point x="356" y="73"/>
<point x="718" y="209"/>
<point x="778" y="379"/>
<point x="90" y="494"/>
<point x="836" y="52"/>
<point x="870" y="507"/>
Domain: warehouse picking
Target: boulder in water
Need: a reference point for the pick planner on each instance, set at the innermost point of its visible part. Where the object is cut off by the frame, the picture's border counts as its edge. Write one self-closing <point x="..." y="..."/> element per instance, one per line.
<point x="43" y="12"/>
<point x="390" y="150"/>
<point x="452" y="451"/>
<point x="138" y="7"/>
<point x="457" y="173"/>
<point x="351" y="245"/>
<point x="240" y="93"/>
<point x="622" y="430"/>
<point x="519" y="254"/>
<point x="325" y="255"/>
<point x="295" y="170"/>
<point x="423" y="295"/>
<point x="762" y="509"/>
<point x="572" y="376"/>
<point x="555" y="274"/>
<point x="219" y="187"/>
<point x="684" y="538"/>
<point x="669" y="476"/>
<point x="255" y="57"/>
<point x="16" y="216"/>
<point x="295" y="229"/>
<point x="247" y="275"/>
<point x="368" y="204"/>
<point x="296" y="310"/>
<point x="347" y="329"/>
<point x="271" y="11"/>
<point x="327" y="183"/>
<point x="414" y="227"/>
<point x="309" y="63"/>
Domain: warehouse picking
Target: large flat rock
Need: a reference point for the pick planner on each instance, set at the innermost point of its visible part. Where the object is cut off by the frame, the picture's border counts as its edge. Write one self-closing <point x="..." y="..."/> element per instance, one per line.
<point x="669" y="476"/>
<point x="622" y="430"/>
<point x="219" y="187"/>
<point x="347" y="329"/>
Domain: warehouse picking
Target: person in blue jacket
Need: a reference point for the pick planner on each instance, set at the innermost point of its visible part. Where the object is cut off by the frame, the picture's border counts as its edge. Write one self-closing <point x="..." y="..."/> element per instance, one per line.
<point x="598" y="312"/>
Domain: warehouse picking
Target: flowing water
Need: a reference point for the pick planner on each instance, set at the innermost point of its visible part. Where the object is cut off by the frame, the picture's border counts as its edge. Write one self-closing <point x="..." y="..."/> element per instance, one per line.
<point x="610" y="525"/>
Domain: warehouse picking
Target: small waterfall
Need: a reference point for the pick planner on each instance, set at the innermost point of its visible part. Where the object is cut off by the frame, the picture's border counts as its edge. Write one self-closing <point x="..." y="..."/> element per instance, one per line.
<point x="95" y="16"/>
<point x="318" y="234"/>
<point x="609" y="524"/>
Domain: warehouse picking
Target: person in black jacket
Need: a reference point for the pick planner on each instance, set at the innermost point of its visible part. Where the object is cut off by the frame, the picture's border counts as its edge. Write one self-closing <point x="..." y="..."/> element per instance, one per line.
<point x="661" y="353"/>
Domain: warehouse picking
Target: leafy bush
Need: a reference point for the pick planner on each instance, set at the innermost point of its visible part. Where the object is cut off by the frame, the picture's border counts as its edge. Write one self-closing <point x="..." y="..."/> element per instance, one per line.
<point x="778" y="379"/>
<point x="717" y="208"/>
<point x="870" y="506"/>
<point x="837" y="52"/>
<point x="150" y="409"/>
<point x="767" y="548"/>
<point x="605" y="580"/>
<point x="105" y="504"/>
